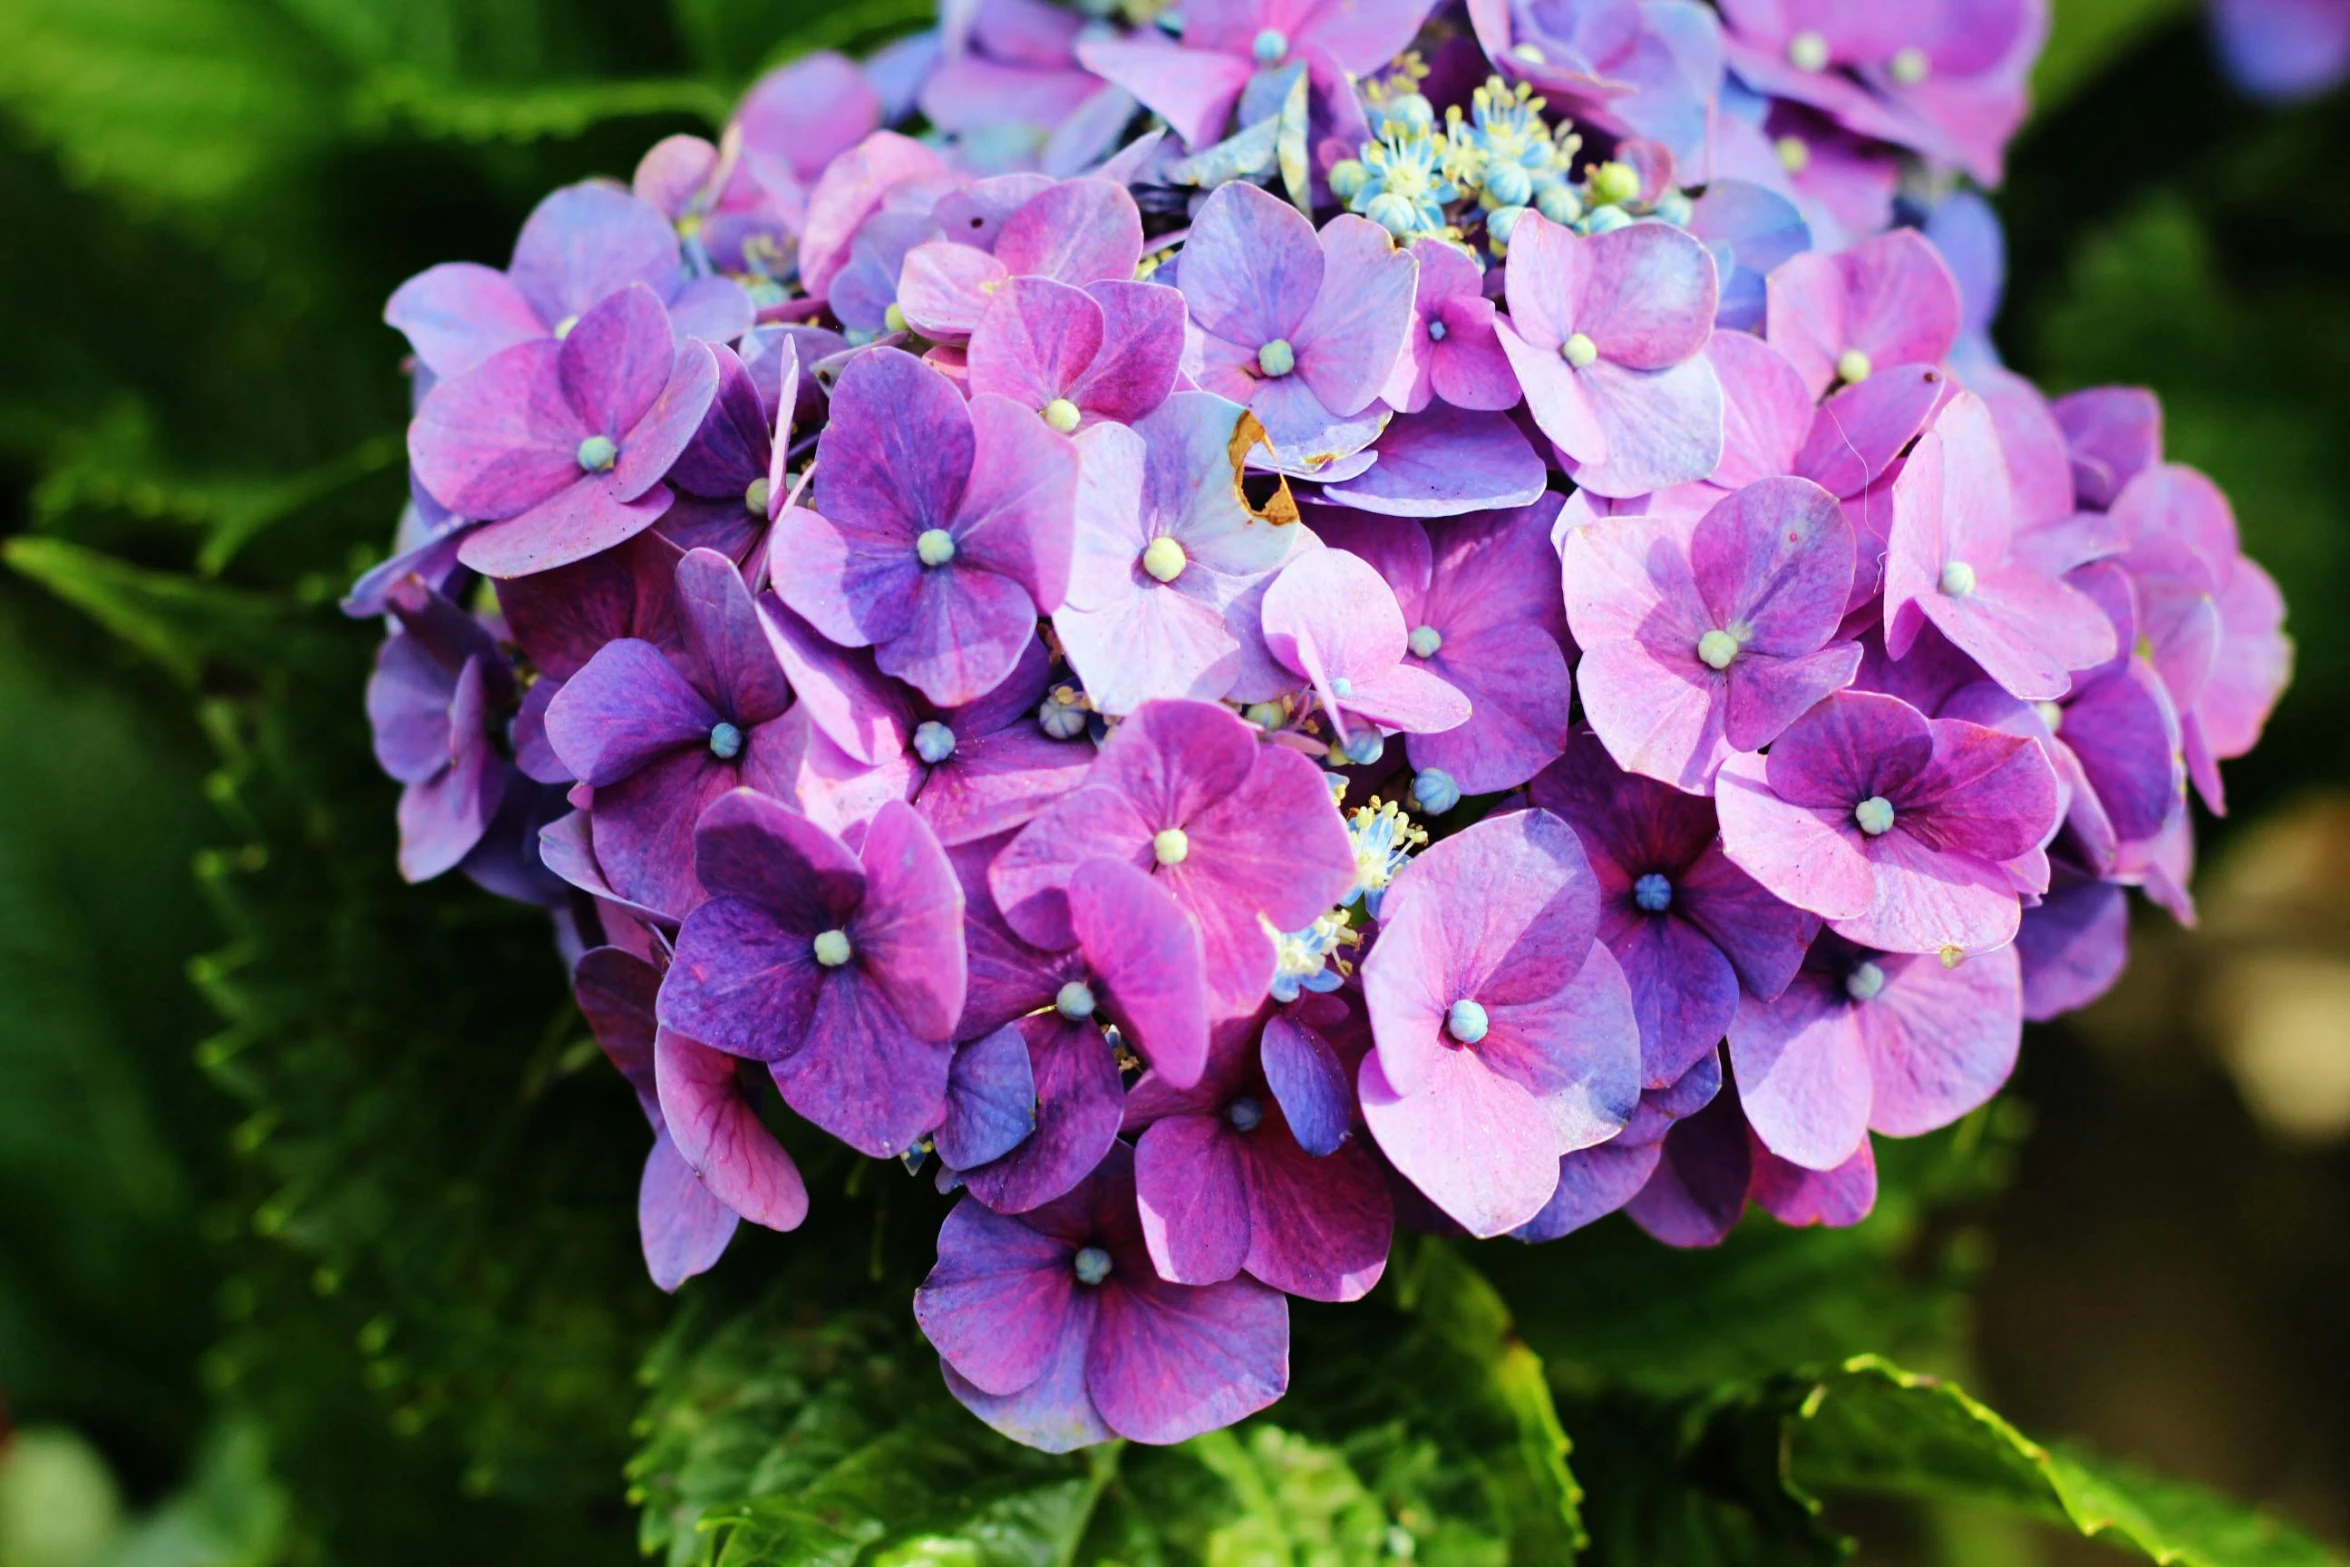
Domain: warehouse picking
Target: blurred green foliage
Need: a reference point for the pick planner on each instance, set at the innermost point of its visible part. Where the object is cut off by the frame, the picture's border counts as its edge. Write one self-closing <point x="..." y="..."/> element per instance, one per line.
<point x="316" y="1241"/>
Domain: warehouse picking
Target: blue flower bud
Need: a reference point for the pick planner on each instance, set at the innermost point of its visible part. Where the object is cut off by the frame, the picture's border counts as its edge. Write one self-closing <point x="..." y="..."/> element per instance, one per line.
<point x="1508" y="185"/>
<point x="1436" y="790"/>
<point x="726" y="741"/>
<point x="1652" y="893"/>
<point x="934" y="742"/>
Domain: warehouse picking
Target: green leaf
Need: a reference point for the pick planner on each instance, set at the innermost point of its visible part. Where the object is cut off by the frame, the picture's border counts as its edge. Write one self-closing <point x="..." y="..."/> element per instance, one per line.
<point x="421" y="105"/>
<point x="1870" y="1426"/>
<point x="2086" y="37"/>
<point x="180" y="622"/>
<point x="183" y="102"/>
<point x="1463" y="1374"/>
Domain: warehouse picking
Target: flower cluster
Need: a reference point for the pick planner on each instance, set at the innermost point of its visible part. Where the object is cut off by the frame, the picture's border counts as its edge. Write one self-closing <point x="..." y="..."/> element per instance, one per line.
<point x="1252" y="635"/>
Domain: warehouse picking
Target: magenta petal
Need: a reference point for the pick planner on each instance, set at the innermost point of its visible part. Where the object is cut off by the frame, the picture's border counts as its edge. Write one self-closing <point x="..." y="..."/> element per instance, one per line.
<point x="498" y="439"/>
<point x="684" y="1229"/>
<point x="459" y="313"/>
<point x="1516" y="682"/>
<point x="1148" y="957"/>
<point x="1018" y="512"/>
<point x="1191" y="1181"/>
<point x="1310" y="1082"/>
<point x="585" y="519"/>
<point x="1035" y="341"/>
<point x="1444" y="462"/>
<point x="1651" y="296"/>
<point x="991" y="1100"/>
<point x="1940" y="1040"/>
<point x="1803" y="1071"/>
<point x="720" y="1135"/>
<point x="1169" y="1361"/>
<point x="1079" y="1103"/>
<point x="1143" y="351"/>
<point x="1476" y="1144"/>
<point x="1807" y="855"/>
<point x="1836" y="1198"/>
<point x="1660" y="427"/>
<point x="908" y="934"/>
<point x="1192" y="90"/>
<point x="1319" y="1227"/>
<point x="1766" y="409"/>
<point x="856" y="707"/>
<point x="1348" y="344"/>
<point x="1699" y="1188"/>
<point x="1926" y="901"/>
<point x="1252" y="267"/>
<point x="1078" y="231"/>
<point x="1858" y="432"/>
<point x="999" y="1299"/>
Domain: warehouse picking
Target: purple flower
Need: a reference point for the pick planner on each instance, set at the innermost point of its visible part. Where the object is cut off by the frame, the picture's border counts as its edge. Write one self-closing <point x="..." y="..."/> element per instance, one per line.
<point x="682" y="1225"/>
<point x="439" y="683"/>
<point x="843" y="971"/>
<point x="1172" y="560"/>
<point x="2214" y="618"/>
<point x="1333" y="620"/>
<point x="1705" y="639"/>
<point x="1604" y="333"/>
<point x="1245" y="837"/>
<point x="1303" y="328"/>
<point x="1078" y="356"/>
<point x="1750" y="228"/>
<point x="581" y="245"/>
<point x="972" y="772"/>
<point x="1689" y="928"/>
<point x="1229" y="45"/>
<point x="1643" y="68"/>
<point x="1948" y="80"/>
<point x="853" y="188"/>
<point x="2072" y="946"/>
<point x="1136" y="963"/>
<point x="1451" y="351"/>
<point x="561" y="446"/>
<point x="1255" y="1168"/>
<point x="1011" y="66"/>
<point x="2112" y="433"/>
<point x="1949" y="562"/>
<point x="1504" y="1033"/>
<point x="718" y="1133"/>
<point x="1596" y="1181"/>
<point x="1892" y="826"/>
<point x="1073" y="232"/>
<point x="561" y="618"/>
<point x="1868" y="1041"/>
<point x="940" y="532"/>
<point x="1887" y="301"/>
<point x="729" y="480"/>
<point x="1485" y="619"/>
<point x="1443" y="462"/>
<point x="2283" y="49"/>
<point x="659" y="741"/>
<point x="1054" y="1329"/>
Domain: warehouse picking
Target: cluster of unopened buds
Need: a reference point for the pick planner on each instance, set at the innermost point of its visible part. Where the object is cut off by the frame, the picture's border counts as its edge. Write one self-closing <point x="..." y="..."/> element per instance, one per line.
<point x="1243" y="636"/>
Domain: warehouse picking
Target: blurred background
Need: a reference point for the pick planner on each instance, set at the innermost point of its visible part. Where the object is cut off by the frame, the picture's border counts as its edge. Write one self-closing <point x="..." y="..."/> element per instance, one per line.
<point x="312" y="1229"/>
